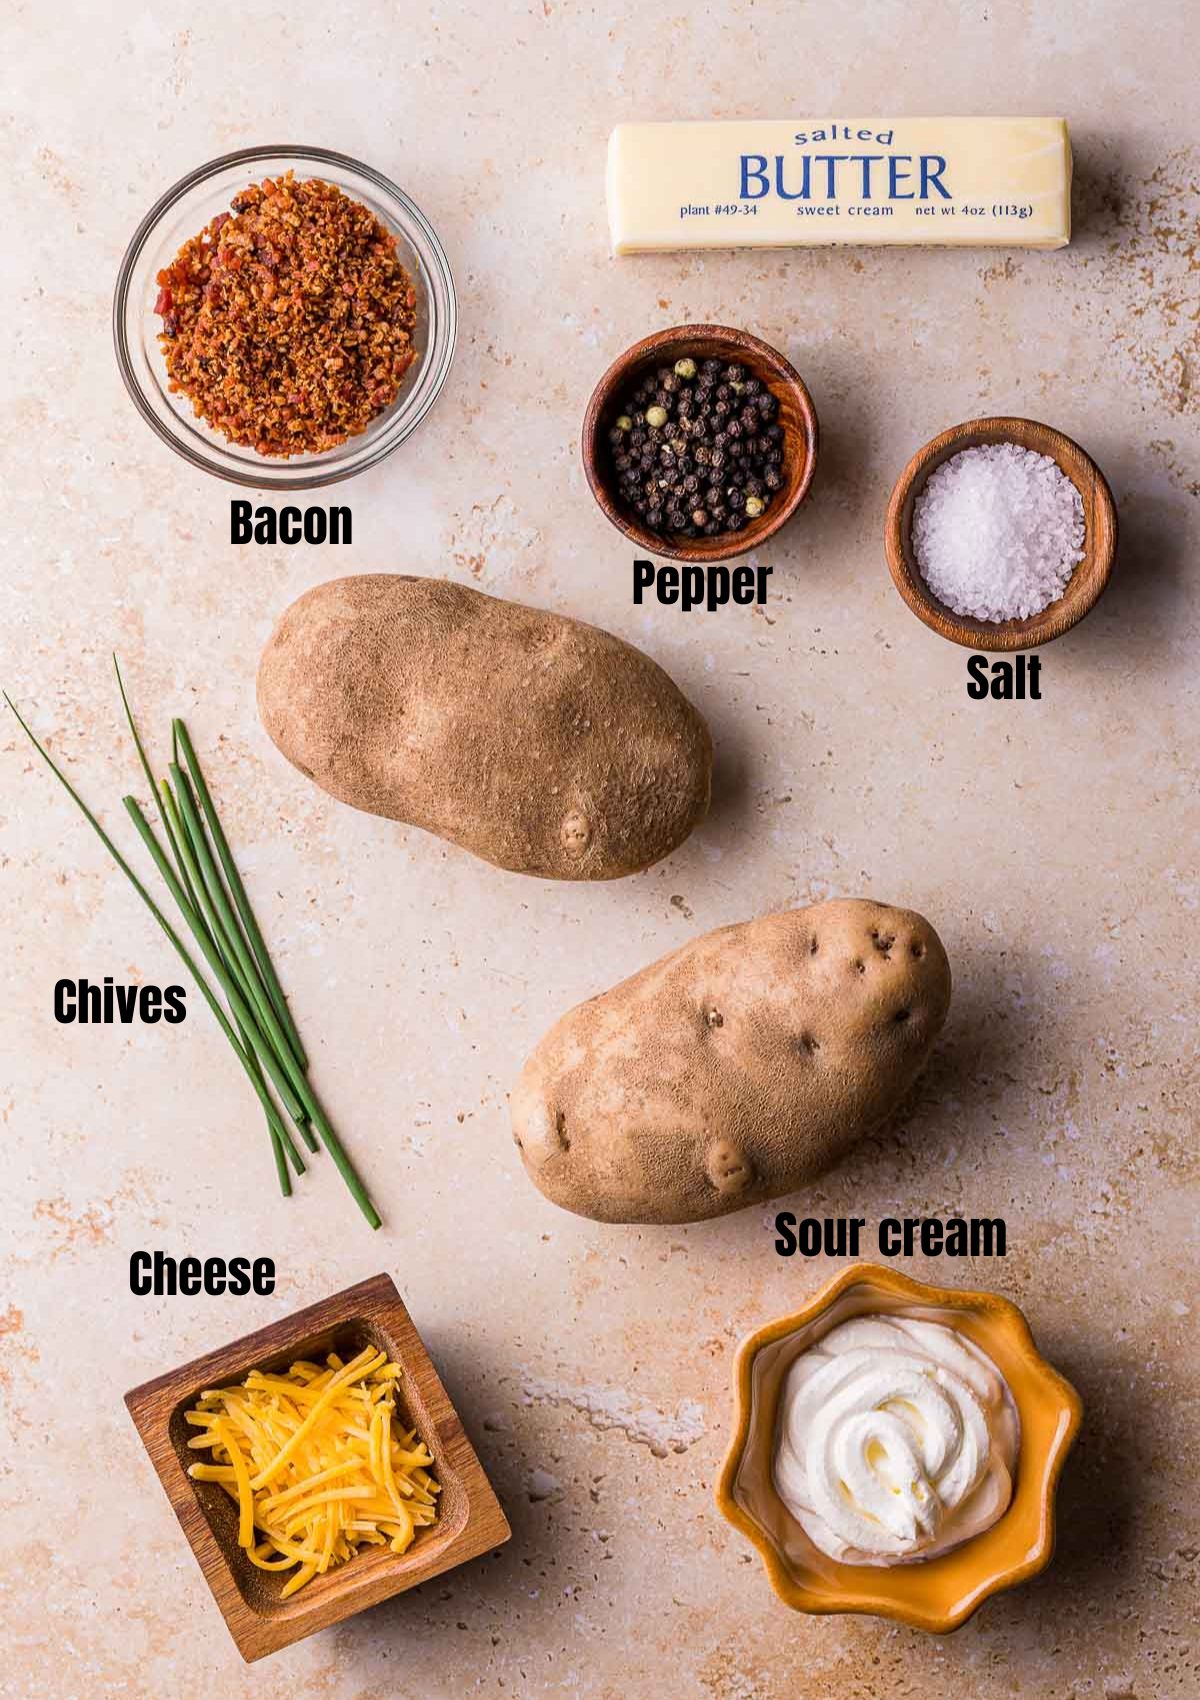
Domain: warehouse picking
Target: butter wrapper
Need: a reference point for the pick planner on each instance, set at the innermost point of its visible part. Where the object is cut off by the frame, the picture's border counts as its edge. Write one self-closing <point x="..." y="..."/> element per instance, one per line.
<point x="782" y="183"/>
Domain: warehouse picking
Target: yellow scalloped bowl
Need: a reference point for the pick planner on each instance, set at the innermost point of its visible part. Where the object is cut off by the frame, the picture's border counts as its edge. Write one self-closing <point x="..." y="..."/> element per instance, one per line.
<point x="936" y="1594"/>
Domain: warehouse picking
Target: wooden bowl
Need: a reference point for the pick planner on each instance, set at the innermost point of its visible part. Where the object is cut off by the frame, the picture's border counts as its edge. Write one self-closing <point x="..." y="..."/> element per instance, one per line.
<point x="469" y="1520"/>
<point x="936" y="1594"/>
<point x="1087" y="581"/>
<point x="703" y="342"/>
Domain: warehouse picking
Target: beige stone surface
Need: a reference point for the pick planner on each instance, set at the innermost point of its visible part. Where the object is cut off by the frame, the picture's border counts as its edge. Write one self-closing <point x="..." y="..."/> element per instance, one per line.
<point x="1053" y="844"/>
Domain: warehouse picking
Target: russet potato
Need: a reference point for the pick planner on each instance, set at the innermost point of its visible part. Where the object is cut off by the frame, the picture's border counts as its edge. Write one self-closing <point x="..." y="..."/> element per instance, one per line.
<point x="736" y="1069"/>
<point x="539" y="743"/>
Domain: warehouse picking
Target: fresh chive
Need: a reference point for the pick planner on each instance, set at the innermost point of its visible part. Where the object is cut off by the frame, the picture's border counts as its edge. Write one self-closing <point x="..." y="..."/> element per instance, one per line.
<point x="203" y="920"/>
<point x="173" y="826"/>
<point x="342" y="1163"/>
<point x="220" y="916"/>
<point x="204" y="934"/>
<point x="277" y="1059"/>
<point x="268" y="1056"/>
<point x="205" y="931"/>
<point x="179" y="733"/>
<point x="150" y="781"/>
<point x="282" y="1145"/>
<point x="177" y="943"/>
<point x="134" y="733"/>
<point x="265" y="1041"/>
<point x="264" y="1029"/>
<point x="188" y="860"/>
<point x="280" y="1135"/>
<point x="281" y="1168"/>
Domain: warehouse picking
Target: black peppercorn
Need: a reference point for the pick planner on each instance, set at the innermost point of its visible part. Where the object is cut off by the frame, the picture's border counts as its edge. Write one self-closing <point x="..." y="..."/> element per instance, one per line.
<point x="695" y="448"/>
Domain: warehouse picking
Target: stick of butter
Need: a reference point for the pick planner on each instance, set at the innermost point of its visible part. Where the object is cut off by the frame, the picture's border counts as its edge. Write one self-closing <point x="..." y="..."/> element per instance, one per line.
<point x="780" y="183"/>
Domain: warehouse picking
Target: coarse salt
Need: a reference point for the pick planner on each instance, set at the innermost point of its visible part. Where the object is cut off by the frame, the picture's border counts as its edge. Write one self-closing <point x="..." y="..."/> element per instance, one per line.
<point x="997" y="531"/>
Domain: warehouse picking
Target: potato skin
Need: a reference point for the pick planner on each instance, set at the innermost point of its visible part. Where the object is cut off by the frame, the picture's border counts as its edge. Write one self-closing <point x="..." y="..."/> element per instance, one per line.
<point x="539" y="743"/>
<point x="738" y="1068"/>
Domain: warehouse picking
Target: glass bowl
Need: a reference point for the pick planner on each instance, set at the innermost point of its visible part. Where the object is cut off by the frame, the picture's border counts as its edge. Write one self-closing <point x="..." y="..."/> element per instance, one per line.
<point x="182" y="213"/>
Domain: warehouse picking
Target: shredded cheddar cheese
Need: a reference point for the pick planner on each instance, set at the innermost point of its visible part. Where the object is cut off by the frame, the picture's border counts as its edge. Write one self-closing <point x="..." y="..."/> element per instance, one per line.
<point x="316" y="1463"/>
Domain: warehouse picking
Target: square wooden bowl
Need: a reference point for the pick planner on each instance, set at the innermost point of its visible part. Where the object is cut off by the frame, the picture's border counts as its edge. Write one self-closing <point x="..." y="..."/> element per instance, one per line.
<point x="469" y="1522"/>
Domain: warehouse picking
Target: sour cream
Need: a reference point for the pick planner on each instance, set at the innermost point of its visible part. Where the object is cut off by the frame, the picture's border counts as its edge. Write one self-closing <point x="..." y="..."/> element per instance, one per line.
<point x="897" y="1440"/>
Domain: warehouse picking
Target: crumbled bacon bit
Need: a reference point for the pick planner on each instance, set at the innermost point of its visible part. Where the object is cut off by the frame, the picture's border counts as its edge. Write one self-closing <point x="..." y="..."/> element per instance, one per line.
<point x="288" y="325"/>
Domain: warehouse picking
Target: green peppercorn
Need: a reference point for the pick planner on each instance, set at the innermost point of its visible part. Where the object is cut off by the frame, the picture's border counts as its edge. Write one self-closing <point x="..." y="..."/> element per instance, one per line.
<point x="685" y="368"/>
<point x="624" y="423"/>
<point x="656" y="416"/>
